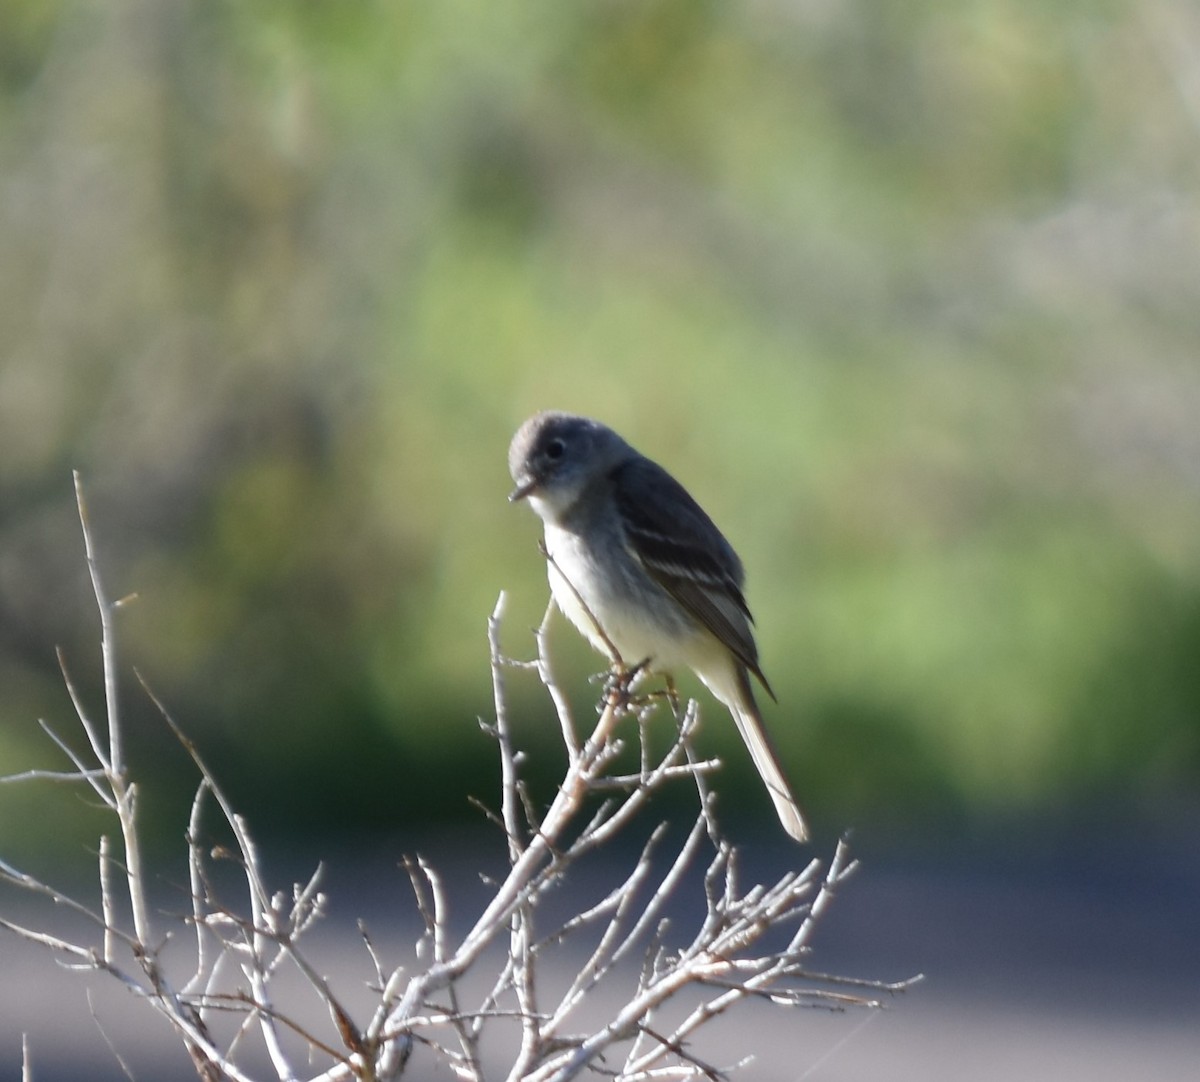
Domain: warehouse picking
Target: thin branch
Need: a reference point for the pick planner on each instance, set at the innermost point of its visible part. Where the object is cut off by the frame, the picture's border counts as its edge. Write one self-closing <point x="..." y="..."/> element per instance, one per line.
<point x="36" y="886"/>
<point x="107" y="897"/>
<point x="53" y="942"/>
<point x="97" y="779"/>
<point x="508" y="759"/>
<point x="198" y="886"/>
<point x="108" y="655"/>
<point x="54" y="776"/>
<point x="562" y="706"/>
<point x="840" y="867"/>
<point x="112" y="756"/>
<point x="258" y="894"/>
<point x="108" y="1040"/>
<point x="102" y="753"/>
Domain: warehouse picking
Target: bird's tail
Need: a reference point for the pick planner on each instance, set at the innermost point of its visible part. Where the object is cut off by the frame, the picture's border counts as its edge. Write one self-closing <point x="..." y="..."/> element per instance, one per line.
<point x="766" y="759"/>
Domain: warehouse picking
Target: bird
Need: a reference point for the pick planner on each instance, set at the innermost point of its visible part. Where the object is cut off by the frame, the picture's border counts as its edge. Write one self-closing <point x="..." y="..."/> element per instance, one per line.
<point x="639" y="568"/>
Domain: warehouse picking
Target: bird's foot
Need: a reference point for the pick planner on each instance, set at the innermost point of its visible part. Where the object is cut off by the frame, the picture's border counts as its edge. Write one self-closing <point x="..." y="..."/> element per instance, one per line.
<point x="618" y="687"/>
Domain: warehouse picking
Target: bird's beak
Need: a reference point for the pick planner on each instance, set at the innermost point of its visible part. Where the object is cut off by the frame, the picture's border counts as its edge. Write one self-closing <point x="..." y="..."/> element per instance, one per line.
<point x="523" y="489"/>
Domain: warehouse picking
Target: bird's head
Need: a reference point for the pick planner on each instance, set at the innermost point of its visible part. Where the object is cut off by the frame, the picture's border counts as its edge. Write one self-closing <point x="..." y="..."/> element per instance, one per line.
<point x="555" y="457"/>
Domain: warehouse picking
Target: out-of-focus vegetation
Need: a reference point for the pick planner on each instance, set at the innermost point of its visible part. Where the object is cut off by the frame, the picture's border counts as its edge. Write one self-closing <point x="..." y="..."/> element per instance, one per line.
<point x="907" y="294"/>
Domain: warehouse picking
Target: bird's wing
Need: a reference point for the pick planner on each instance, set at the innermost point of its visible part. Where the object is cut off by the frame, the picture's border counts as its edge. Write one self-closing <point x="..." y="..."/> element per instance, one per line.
<point x="683" y="551"/>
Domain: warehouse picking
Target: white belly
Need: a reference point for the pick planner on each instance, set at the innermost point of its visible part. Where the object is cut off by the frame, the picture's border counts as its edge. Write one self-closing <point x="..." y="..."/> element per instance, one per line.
<point x="625" y="612"/>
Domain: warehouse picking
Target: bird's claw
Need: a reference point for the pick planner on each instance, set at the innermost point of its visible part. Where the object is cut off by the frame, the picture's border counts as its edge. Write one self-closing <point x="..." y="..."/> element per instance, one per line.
<point x="618" y="686"/>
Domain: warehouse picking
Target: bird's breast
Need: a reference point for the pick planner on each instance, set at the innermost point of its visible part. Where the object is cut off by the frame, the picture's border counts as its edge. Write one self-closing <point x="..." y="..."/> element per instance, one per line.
<point x="604" y="592"/>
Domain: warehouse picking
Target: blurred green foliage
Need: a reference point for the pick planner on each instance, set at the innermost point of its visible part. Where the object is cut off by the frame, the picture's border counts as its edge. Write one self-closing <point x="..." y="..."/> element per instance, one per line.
<point x="906" y="294"/>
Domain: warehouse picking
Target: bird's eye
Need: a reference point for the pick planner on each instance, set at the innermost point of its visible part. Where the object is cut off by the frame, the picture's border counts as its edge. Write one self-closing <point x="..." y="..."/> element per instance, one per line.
<point x="555" y="448"/>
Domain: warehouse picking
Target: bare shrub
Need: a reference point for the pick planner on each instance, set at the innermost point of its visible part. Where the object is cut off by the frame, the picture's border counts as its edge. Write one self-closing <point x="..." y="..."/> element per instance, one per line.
<point x="251" y="987"/>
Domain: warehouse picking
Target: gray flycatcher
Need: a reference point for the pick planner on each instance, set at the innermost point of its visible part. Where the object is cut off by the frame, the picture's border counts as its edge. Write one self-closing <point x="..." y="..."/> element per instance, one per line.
<point x="636" y="563"/>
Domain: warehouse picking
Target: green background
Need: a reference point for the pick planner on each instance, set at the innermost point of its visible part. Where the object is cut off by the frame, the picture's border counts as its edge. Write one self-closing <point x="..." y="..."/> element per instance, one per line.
<point x="906" y="294"/>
